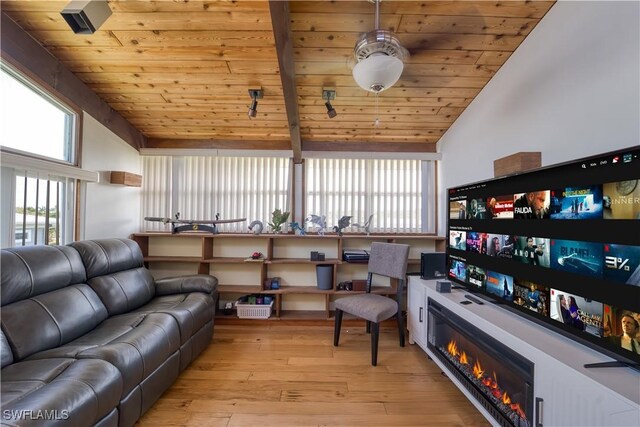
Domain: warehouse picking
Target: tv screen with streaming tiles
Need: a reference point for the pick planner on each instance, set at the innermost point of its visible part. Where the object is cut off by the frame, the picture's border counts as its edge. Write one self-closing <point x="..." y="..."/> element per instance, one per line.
<point x="559" y="245"/>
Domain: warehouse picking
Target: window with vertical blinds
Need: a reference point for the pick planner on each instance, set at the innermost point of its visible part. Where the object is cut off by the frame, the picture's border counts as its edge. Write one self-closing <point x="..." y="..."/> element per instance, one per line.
<point x="393" y="191"/>
<point x="202" y="187"/>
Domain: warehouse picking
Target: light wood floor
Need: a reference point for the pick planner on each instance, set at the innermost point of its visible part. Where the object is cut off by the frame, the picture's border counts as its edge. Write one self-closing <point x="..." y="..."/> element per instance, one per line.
<point x="279" y="375"/>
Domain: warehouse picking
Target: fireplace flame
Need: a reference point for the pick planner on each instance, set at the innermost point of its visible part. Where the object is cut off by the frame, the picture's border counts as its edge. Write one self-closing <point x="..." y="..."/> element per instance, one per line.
<point x="477" y="370"/>
<point x="516" y="407"/>
<point x="491" y="382"/>
<point x="452" y="348"/>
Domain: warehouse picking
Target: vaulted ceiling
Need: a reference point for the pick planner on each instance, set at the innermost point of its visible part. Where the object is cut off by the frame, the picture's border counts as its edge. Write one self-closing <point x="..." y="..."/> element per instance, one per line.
<point x="179" y="70"/>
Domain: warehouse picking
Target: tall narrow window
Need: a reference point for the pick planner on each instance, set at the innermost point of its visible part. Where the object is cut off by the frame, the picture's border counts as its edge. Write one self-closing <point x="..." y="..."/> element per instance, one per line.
<point x="37" y="139"/>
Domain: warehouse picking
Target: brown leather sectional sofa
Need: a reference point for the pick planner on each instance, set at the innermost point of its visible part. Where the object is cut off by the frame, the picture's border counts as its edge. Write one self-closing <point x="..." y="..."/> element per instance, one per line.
<point x="89" y="337"/>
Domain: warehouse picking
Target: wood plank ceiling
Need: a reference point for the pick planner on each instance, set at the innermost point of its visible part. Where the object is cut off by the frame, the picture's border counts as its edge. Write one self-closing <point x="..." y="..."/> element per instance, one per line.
<point x="180" y="70"/>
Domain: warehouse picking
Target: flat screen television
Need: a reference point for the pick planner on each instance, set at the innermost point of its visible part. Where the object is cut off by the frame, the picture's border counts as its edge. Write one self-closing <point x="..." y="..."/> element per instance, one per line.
<point x="559" y="245"/>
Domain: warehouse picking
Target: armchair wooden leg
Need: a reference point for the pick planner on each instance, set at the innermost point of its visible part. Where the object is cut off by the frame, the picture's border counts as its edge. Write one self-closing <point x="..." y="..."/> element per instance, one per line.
<point x="400" y="319"/>
<point x="336" y="331"/>
<point x="374" y="344"/>
<point x="368" y="327"/>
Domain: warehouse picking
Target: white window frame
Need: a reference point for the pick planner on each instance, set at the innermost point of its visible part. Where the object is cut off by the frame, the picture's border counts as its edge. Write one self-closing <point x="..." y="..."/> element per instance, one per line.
<point x="15" y="162"/>
<point x="72" y="144"/>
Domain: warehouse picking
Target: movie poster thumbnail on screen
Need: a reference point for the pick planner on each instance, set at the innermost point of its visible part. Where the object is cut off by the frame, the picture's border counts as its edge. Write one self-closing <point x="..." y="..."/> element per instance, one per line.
<point x="500" y="207"/>
<point x="622" y="264"/>
<point x="500" y="285"/>
<point x="531" y="296"/>
<point x="576" y="312"/>
<point x="477" y="242"/>
<point x="476" y="276"/>
<point x="532" y="251"/>
<point x="499" y="245"/>
<point x="477" y="209"/>
<point x="573" y="256"/>
<point x="532" y="205"/>
<point x="458" y="208"/>
<point x="458" y="239"/>
<point x="457" y="268"/>
<point x="622" y="328"/>
<point x="621" y="199"/>
<point x="576" y="203"/>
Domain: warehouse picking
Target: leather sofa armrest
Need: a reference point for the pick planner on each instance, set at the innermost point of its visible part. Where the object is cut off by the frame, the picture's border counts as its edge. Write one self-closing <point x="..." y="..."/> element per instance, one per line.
<point x="184" y="284"/>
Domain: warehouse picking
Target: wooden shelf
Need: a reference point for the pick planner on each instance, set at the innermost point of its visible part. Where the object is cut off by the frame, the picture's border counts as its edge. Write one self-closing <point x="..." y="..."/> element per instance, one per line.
<point x="188" y="259"/>
<point x="231" y="260"/>
<point x="298" y="290"/>
<point x="239" y="289"/>
<point x="225" y="254"/>
<point x="302" y="261"/>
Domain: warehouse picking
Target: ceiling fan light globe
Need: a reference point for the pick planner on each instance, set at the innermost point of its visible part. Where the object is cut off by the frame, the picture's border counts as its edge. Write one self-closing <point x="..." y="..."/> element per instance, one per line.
<point x="378" y="72"/>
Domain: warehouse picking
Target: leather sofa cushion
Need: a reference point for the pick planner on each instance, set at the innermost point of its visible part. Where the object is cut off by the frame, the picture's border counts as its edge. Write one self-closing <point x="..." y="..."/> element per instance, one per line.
<point x="137" y="344"/>
<point x="106" y="256"/>
<point x="5" y="350"/>
<point x="52" y="319"/>
<point x="28" y="271"/>
<point x="124" y="291"/>
<point x="76" y="392"/>
<point x="191" y="311"/>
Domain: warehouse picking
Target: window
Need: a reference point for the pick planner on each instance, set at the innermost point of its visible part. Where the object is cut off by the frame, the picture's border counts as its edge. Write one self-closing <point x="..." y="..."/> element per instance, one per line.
<point x="38" y="185"/>
<point x="393" y="191"/>
<point x="42" y="210"/>
<point x="33" y="122"/>
<point x="202" y="187"/>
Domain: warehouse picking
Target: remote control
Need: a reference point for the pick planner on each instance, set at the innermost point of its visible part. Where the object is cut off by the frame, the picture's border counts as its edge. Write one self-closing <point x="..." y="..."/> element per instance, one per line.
<point x="474" y="299"/>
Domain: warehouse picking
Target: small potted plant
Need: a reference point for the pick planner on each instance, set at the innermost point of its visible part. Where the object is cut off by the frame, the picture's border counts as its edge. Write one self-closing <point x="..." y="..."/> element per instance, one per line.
<point x="277" y="219"/>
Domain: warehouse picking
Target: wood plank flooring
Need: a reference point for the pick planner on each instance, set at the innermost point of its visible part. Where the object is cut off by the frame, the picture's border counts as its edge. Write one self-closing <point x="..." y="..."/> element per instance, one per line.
<point x="280" y="375"/>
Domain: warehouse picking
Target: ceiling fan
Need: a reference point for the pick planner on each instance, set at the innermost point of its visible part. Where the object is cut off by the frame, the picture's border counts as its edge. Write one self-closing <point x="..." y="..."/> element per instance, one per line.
<point x="379" y="57"/>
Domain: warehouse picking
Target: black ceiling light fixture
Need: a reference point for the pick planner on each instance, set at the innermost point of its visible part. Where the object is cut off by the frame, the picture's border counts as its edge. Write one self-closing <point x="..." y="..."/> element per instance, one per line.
<point x="328" y="95"/>
<point x="86" y="16"/>
<point x="255" y="95"/>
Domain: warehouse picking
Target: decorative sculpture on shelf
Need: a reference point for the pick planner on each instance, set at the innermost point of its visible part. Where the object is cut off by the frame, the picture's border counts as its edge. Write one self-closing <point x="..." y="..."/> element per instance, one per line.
<point x="278" y="218"/>
<point x="343" y="223"/>
<point x="366" y="225"/>
<point x="257" y="227"/>
<point x="297" y="229"/>
<point x="320" y="221"/>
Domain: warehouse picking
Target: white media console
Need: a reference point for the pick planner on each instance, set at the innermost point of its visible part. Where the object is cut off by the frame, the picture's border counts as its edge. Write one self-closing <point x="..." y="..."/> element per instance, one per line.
<point x="572" y="395"/>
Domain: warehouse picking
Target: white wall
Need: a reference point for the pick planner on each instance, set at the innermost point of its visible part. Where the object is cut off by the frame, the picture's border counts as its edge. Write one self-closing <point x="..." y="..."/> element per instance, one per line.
<point x="109" y="210"/>
<point x="572" y="89"/>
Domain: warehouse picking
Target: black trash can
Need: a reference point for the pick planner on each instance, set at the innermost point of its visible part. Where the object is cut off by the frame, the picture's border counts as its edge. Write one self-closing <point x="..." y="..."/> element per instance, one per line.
<point x="324" y="276"/>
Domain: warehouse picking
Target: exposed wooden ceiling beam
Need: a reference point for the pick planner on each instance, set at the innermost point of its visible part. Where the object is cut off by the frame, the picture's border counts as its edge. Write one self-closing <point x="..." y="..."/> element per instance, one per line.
<point x="383" y="147"/>
<point x="216" y="144"/>
<point x="284" y="48"/>
<point x="21" y="50"/>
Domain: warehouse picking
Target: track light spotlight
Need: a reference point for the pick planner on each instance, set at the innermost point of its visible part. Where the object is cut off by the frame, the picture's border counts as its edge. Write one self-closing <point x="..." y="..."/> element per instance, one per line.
<point x="85" y="16"/>
<point x="329" y="95"/>
<point x="255" y="95"/>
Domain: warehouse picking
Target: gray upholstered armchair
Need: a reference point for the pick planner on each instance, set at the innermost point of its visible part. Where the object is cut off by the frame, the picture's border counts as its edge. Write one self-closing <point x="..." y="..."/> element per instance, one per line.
<point x="385" y="259"/>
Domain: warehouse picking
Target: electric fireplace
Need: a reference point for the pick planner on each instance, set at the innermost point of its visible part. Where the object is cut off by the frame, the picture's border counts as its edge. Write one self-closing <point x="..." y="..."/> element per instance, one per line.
<point x="499" y="379"/>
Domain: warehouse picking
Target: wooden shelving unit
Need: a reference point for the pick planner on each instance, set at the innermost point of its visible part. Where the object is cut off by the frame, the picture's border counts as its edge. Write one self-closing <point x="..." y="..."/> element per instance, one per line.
<point x="225" y="256"/>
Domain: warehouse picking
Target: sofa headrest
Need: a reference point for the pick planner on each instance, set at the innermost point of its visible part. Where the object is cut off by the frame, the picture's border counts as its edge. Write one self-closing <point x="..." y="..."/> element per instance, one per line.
<point x="107" y="256"/>
<point x="28" y="271"/>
